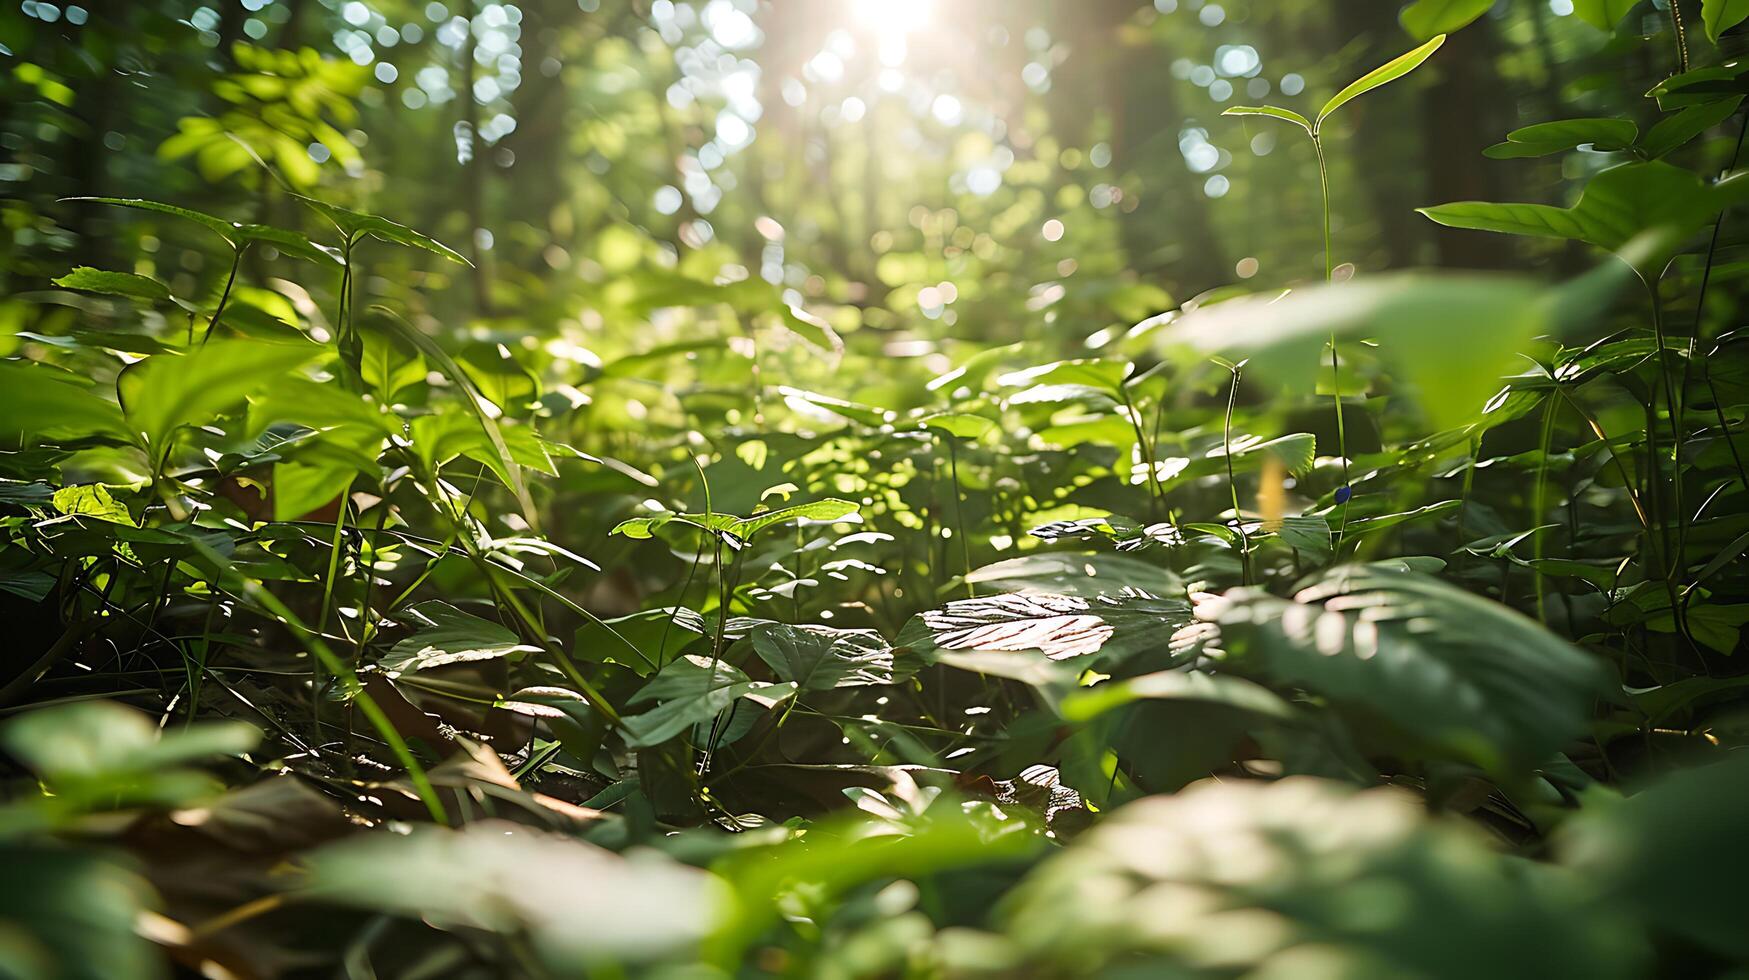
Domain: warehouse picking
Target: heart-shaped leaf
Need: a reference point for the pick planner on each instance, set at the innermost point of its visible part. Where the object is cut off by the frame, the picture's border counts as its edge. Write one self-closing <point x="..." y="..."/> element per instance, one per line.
<point x="819" y="658"/>
<point x="690" y="691"/>
<point x="443" y="634"/>
<point x="1115" y="625"/>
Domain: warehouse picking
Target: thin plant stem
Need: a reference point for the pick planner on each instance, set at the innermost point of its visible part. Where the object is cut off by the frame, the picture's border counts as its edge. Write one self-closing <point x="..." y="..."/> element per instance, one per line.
<point x="1672" y="405"/>
<point x="1142" y="443"/>
<point x="224" y="296"/>
<point x="1539" y="503"/>
<point x="373" y="712"/>
<point x="1335" y="358"/>
<point x="1232" y="484"/>
<point x="959" y="514"/>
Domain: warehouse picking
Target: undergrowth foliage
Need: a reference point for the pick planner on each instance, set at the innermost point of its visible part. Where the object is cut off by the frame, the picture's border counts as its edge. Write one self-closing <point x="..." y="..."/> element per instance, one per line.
<point x="1384" y="627"/>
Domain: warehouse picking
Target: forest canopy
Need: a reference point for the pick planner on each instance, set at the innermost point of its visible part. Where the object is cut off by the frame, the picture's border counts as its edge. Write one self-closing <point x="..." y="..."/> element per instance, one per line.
<point x="873" y="488"/>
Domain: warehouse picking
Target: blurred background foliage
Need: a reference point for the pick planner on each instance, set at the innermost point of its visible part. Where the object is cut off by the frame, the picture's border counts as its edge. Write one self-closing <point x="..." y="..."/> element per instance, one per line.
<point x="887" y="352"/>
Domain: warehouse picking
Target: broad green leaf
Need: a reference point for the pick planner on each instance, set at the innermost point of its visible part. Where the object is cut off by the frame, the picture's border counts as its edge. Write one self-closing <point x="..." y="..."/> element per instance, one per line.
<point x="810" y="327"/>
<point x="1453" y="335"/>
<point x="1287" y="115"/>
<point x="357" y="224"/>
<point x="1384" y="74"/>
<point x="1616" y="207"/>
<point x="45" y="402"/>
<point x="1296" y="452"/>
<point x="236" y="233"/>
<point x="1543" y="139"/>
<point x="1702" y="85"/>
<point x="1116" y="625"/>
<point x="1125" y="533"/>
<point x="1678" y="130"/>
<point x="317" y="405"/>
<point x="1464" y="676"/>
<point x="1252" y="878"/>
<point x="1424" y="19"/>
<point x="1722" y="15"/>
<point x="32" y="586"/>
<point x="572" y="907"/>
<point x="386" y="368"/>
<point x="506" y="465"/>
<point x="92" y="500"/>
<point x="1603" y="14"/>
<point x="960" y="425"/>
<point x="163" y="393"/>
<point x="1104" y="375"/>
<point x="1674" y="852"/>
<point x="689" y="691"/>
<point x="820" y="658"/>
<point x="741" y="528"/>
<point x="657" y="635"/>
<point x="810" y="403"/>
<point x="1086" y="574"/>
<point x="1370" y="525"/>
<point x="99" y="755"/>
<point x="218" y="226"/>
<point x="127" y="284"/>
<point x="443" y="634"/>
<point x="1176" y="685"/>
<point x="72" y="913"/>
<point x="1306" y="532"/>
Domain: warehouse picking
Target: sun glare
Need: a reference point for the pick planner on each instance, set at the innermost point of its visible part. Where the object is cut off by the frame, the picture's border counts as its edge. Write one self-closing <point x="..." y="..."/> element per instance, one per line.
<point x="893" y="18"/>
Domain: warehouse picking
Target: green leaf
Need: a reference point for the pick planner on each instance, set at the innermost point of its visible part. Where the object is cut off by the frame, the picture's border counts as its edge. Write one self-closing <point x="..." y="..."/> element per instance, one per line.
<point x="960" y="425"/>
<point x="1543" y="139"/>
<point x="127" y="284"/>
<point x="741" y="529"/>
<point x="1678" y="130"/>
<point x="98" y="755"/>
<point x="1451" y="671"/>
<point x="820" y="658"/>
<point x="72" y="914"/>
<point x="578" y="907"/>
<point x="1674" y="852"/>
<point x="1077" y="573"/>
<point x="1722" y="15"/>
<point x="690" y="691"/>
<point x="1453" y="335"/>
<point x="163" y="393"/>
<point x="46" y="402"/>
<point x="656" y="634"/>
<point x="1306" y="532"/>
<point x="1702" y="85"/>
<point x="357" y="224"/>
<point x="1603" y="14"/>
<point x="443" y="634"/>
<point x="235" y="233"/>
<point x="1424" y="19"/>
<point x="1252" y="878"/>
<point x="506" y="466"/>
<point x="1384" y="74"/>
<point x="809" y="401"/>
<point x="1102" y="374"/>
<point x="1287" y="115"/>
<point x="1116" y="625"/>
<point x="1616" y="208"/>
<point x="92" y="500"/>
<point x="1176" y="685"/>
